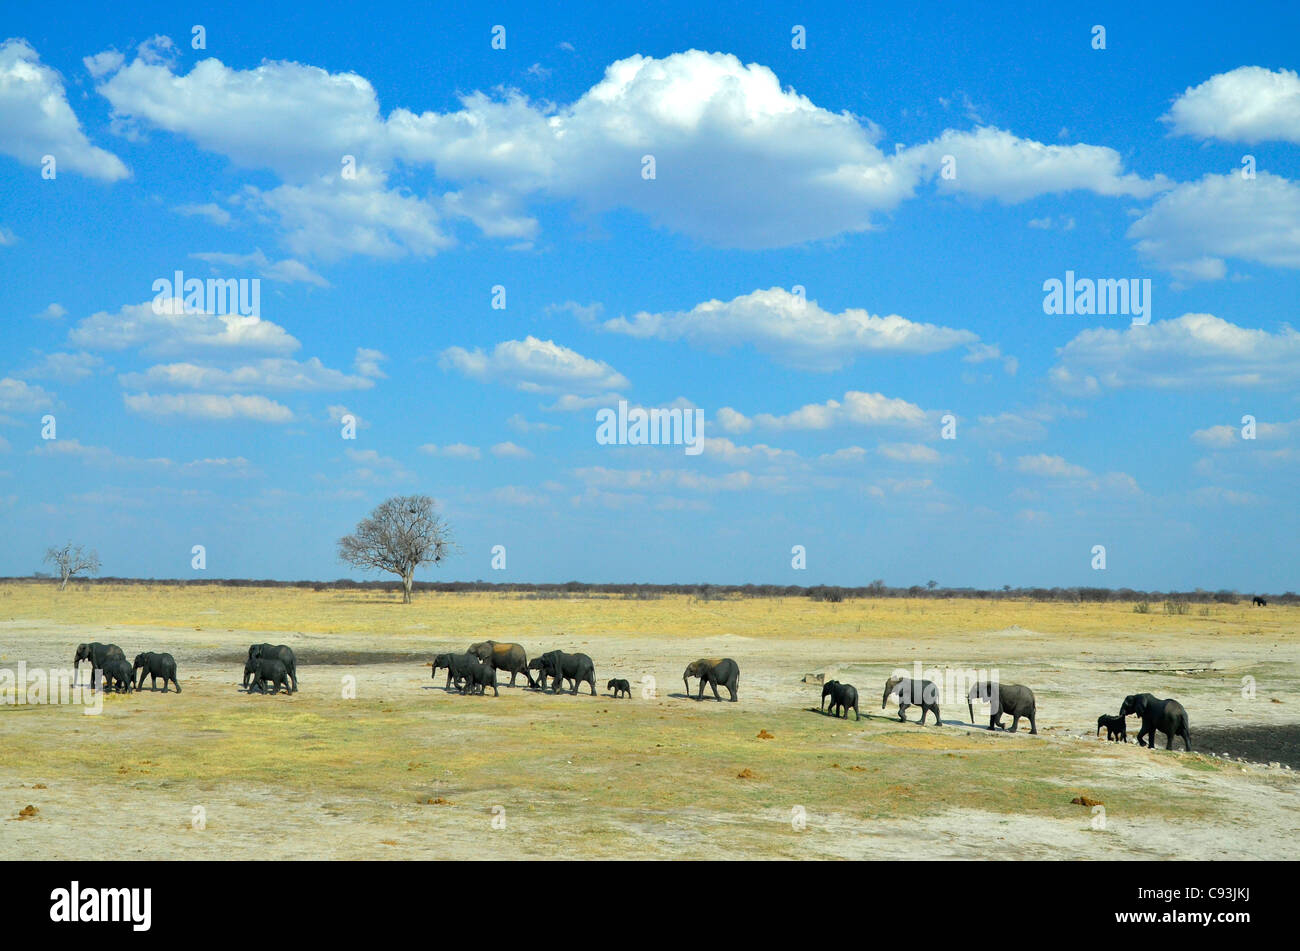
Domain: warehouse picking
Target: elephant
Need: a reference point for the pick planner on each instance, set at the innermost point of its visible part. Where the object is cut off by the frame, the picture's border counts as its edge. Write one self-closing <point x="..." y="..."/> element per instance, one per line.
<point x="910" y="691"/>
<point x="1259" y="602"/>
<point x="481" y="676"/>
<point x="844" y="697"/>
<point x="1116" y="728"/>
<point x="503" y="656"/>
<point x="576" y="668"/>
<point x="828" y="690"/>
<point x="1167" y="716"/>
<point x="620" y="687"/>
<point x="97" y="654"/>
<point x="1014" y="699"/>
<point x="713" y="671"/>
<point x="116" y="674"/>
<point x="156" y="665"/>
<point x="278" y="652"/>
<point x="262" y="669"/>
<point x="458" y="667"/>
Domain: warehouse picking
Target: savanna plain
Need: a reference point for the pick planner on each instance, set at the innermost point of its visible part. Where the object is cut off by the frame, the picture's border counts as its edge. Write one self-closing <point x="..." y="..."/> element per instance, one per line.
<point x="407" y="770"/>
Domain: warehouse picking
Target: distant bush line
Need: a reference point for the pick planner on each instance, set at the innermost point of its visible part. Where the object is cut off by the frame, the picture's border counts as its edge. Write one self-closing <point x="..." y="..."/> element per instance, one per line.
<point x="1171" y="599"/>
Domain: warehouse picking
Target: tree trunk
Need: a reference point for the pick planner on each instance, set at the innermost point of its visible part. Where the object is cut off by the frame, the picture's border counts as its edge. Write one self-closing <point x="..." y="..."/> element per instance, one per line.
<point x="406" y="588"/>
<point x="64" y="583"/>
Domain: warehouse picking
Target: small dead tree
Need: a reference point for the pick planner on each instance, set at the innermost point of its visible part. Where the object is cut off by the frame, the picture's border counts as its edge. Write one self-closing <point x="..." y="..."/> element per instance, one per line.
<point x="399" y="536"/>
<point x="71" y="560"/>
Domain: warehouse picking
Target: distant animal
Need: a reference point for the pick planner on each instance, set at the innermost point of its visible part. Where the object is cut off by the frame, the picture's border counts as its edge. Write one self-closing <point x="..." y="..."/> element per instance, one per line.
<point x="575" y="668"/>
<point x="264" y="669"/>
<point x="503" y="656"/>
<point x="1260" y="602"/>
<point x="155" y="666"/>
<point x="1116" y="728"/>
<point x="1167" y="716"/>
<point x="479" y="677"/>
<point x="620" y="687"/>
<point x="458" y="667"/>
<point x="97" y="654"/>
<point x="713" y="671"/>
<point x="117" y="675"/>
<point x="844" y="697"/>
<point x="911" y="692"/>
<point x="279" y="652"/>
<point x="1014" y="699"/>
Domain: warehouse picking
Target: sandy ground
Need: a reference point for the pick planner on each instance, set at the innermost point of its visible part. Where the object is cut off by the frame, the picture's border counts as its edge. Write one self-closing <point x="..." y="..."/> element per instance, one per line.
<point x="407" y="770"/>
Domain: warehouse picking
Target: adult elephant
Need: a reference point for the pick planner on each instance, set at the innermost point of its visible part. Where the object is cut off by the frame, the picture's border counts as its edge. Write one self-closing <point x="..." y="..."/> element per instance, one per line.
<point x="1014" y="699"/>
<point x="910" y="692"/>
<point x="577" y="668"/>
<point x="98" y="654"/>
<point x="155" y="666"/>
<point x="276" y="652"/>
<point x="1167" y="716"/>
<point x="503" y="656"/>
<point x="713" y="671"/>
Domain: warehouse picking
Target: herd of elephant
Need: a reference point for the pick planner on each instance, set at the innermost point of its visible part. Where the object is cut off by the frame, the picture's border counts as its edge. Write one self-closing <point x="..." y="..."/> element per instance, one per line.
<point x="476" y="670"/>
<point x="275" y="666"/>
<point x="1017" y="701"/>
<point x="267" y="663"/>
<point x="109" y="662"/>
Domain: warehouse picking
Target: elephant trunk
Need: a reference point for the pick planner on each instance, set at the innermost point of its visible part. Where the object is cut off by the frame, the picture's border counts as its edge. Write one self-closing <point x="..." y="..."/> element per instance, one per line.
<point x="971" y="707"/>
<point x="687" y="684"/>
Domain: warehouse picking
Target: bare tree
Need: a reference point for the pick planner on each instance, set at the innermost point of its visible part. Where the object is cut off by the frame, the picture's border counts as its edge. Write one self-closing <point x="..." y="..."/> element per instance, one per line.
<point x="71" y="560"/>
<point x="399" y="536"/>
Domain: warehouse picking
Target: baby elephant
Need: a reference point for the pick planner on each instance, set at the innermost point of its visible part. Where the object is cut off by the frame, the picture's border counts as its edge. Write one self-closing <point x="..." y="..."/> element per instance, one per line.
<point x="844" y="697"/>
<point x="478" y="677"/>
<point x="155" y="665"/>
<point x="262" y="669"/>
<point x="1116" y="728"/>
<point x="117" y="675"/>
<point x="620" y="687"/>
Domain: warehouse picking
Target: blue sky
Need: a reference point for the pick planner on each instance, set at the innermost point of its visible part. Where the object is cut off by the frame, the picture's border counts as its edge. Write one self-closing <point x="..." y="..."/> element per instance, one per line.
<point x="840" y="246"/>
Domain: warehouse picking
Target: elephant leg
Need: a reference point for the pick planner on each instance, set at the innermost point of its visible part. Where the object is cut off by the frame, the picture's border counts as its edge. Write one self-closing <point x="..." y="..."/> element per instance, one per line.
<point x="1015" y="722"/>
<point x="731" y="689"/>
<point x="1033" y="726"/>
<point x="937" y="720"/>
<point x="902" y="710"/>
<point x="1187" y="740"/>
<point x="1169" y="741"/>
